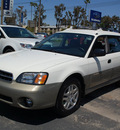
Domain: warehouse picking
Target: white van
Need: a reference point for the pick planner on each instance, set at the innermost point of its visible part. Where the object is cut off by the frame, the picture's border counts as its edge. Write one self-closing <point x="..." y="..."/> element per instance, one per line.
<point x="14" y="38"/>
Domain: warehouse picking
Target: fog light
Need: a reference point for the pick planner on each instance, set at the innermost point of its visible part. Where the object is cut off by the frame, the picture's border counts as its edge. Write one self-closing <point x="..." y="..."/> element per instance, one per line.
<point x="29" y="102"/>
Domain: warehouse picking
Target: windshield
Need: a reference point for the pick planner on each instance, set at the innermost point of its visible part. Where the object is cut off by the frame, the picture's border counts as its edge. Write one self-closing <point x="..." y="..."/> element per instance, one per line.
<point x="14" y="32"/>
<point x="66" y="43"/>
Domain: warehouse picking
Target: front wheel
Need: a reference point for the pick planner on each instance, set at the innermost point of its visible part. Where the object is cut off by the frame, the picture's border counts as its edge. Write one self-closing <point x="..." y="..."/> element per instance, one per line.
<point x="7" y="50"/>
<point x="69" y="97"/>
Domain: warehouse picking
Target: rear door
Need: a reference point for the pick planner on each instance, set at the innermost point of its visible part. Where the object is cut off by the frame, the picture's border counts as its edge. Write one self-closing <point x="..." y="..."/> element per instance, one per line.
<point x="114" y="54"/>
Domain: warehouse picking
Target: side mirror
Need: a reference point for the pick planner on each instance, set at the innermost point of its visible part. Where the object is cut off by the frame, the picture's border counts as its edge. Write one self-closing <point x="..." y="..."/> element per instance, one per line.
<point x="99" y="52"/>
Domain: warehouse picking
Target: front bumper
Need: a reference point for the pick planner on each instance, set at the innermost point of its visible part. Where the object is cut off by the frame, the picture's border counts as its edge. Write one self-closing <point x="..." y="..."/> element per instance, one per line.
<point x="42" y="96"/>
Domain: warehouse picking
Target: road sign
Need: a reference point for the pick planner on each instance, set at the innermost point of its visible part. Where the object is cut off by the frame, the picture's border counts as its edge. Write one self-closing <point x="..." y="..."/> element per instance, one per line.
<point x="6" y="4"/>
<point x="8" y="7"/>
<point x="95" y="16"/>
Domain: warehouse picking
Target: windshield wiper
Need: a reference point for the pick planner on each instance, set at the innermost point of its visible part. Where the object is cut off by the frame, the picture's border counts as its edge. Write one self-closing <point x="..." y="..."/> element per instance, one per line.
<point x="35" y="48"/>
<point x="45" y="50"/>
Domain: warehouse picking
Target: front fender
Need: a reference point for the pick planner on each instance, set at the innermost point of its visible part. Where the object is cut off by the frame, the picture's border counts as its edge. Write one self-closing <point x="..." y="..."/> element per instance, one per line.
<point x="59" y="73"/>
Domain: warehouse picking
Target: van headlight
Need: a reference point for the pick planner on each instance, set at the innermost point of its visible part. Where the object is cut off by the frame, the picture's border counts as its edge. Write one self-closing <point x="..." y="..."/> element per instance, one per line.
<point x="32" y="78"/>
<point x="26" y="45"/>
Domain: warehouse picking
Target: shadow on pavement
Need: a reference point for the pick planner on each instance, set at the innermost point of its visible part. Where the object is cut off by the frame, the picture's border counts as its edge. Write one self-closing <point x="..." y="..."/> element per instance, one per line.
<point x="97" y="93"/>
<point x="33" y="117"/>
<point x="37" y="117"/>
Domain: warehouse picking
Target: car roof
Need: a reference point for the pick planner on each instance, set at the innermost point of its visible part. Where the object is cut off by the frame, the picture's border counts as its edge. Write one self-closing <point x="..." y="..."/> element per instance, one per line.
<point x="41" y="33"/>
<point x="10" y="26"/>
<point x="91" y="32"/>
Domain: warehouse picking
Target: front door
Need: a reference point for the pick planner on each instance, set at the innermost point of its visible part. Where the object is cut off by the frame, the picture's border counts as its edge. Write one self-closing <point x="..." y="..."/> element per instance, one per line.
<point x="100" y="67"/>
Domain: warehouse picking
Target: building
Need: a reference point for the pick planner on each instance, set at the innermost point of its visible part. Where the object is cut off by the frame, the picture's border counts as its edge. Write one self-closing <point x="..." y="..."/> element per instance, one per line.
<point x="51" y="29"/>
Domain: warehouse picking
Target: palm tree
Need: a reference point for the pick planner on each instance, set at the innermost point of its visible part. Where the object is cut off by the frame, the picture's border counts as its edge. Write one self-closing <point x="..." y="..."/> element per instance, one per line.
<point x="78" y="14"/>
<point x="58" y="13"/>
<point x="86" y="2"/>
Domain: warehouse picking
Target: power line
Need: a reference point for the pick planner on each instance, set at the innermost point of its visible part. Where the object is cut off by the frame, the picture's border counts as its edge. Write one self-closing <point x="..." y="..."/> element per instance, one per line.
<point x="25" y="3"/>
<point x="101" y="4"/>
<point x="98" y="5"/>
<point x="111" y="3"/>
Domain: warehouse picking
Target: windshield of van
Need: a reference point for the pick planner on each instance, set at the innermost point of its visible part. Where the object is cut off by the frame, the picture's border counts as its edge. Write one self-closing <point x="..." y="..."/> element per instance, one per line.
<point x="14" y="32"/>
<point x="66" y="43"/>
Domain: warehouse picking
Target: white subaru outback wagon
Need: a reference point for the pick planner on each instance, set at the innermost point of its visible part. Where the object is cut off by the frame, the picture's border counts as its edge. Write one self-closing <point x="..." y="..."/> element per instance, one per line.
<point x="60" y="70"/>
<point x="14" y="38"/>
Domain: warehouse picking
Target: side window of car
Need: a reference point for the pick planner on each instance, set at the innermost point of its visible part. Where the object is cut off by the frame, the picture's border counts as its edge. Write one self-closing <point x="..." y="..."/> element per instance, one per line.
<point x="99" y="43"/>
<point x="114" y="44"/>
<point x="98" y="47"/>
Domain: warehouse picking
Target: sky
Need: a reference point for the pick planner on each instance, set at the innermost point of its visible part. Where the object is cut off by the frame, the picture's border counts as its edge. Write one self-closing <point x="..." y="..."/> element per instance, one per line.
<point x="107" y="7"/>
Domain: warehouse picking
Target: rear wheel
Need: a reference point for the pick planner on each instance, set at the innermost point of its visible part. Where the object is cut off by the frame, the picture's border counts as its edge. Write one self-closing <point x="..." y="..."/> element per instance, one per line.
<point x="69" y="97"/>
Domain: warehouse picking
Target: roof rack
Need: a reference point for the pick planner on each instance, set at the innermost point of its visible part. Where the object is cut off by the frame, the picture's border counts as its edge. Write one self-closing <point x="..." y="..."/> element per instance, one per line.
<point x="89" y="28"/>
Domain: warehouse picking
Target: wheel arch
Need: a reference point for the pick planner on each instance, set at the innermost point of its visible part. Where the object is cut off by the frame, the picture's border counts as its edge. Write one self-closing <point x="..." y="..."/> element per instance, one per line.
<point x="80" y="78"/>
<point x="8" y="47"/>
<point x="60" y="109"/>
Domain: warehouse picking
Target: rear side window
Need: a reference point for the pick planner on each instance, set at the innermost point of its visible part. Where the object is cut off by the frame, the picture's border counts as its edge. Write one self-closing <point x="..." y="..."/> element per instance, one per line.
<point x="114" y="44"/>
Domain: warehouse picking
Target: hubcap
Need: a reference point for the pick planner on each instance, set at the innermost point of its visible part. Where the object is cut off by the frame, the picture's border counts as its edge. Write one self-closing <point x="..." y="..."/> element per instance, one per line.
<point x="70" y="97"/>
<point x="8" y="50"/>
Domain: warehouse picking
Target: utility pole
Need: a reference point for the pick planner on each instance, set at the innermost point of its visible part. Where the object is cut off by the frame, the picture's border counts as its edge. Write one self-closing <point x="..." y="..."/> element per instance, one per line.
<point x="31" y="12"/>
<point x="39" y="16"/>
<point x="86" y="2"/>
<point x="21" y="8"/>
<point x="1" y="12"/>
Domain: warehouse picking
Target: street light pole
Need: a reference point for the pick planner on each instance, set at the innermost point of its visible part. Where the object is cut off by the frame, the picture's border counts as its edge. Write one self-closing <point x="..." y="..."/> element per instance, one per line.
<point x="85" y="14"/>
<point x="21" y="8"/>
<point x="1" y="12"/>
<point x="39" y="16"/>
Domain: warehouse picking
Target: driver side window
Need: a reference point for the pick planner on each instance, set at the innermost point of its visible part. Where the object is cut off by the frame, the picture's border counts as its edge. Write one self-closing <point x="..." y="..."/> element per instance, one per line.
<point x="98" y="46"/>
<point x="99" y="43"/>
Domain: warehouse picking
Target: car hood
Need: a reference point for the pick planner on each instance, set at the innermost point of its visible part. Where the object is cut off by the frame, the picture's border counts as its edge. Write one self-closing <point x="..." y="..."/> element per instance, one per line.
<point x="31" y="61"/>
<point x="31" y="41"/>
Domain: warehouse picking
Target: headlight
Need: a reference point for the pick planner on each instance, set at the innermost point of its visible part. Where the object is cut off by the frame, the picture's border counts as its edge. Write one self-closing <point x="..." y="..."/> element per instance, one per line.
<point x="26" y="45"/>
<point x="32" y="78"/>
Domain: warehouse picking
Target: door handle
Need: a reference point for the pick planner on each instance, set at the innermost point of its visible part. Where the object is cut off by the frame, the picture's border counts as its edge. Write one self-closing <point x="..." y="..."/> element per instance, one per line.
<point x="109" y="61"/>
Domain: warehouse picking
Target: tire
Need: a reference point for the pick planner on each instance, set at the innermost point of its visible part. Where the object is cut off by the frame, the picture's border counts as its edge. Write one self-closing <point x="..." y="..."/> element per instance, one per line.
<point x="69" y="97"/>
<point x="7" y="50"/>
<point x="118" y="84"/>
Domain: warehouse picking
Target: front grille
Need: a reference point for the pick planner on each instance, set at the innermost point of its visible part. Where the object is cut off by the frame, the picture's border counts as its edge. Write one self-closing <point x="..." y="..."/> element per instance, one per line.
<point x="6" y="76"/>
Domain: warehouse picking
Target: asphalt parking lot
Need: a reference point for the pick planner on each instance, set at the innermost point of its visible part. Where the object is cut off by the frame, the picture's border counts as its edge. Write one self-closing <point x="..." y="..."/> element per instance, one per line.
<point x="99" y="111"/>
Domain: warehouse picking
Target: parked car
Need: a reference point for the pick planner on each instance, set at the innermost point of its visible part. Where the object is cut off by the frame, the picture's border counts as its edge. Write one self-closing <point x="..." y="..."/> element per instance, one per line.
<point x="41" y="35"/>
<point x="14" y="38"/>
<point x="60" y="70"/>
